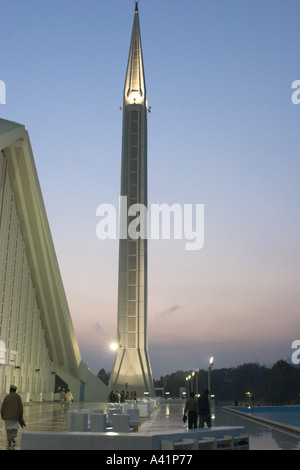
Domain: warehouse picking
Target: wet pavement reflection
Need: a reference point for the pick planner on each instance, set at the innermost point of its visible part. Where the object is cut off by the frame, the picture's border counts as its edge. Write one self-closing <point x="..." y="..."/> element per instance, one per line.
<point x="168" y="416"/>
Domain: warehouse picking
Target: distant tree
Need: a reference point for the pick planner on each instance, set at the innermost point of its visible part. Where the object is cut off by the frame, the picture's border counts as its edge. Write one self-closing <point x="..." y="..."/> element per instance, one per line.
<point x="281" y="384"/>
<point x="221" y="384"/>
<point x="173" y="382"/>
<point x="159" y="382"/>
<point x="104" y="376"/>
<point x="250" y="377"/>
<point x="284" y="383"/>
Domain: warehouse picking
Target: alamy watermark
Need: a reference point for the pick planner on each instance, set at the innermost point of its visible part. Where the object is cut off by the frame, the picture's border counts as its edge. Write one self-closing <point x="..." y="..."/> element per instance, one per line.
<point x="159" y="221"/>
<point x="296" y="94"/>
<point x="296" y="354"/>
<point x="2" y="92"/>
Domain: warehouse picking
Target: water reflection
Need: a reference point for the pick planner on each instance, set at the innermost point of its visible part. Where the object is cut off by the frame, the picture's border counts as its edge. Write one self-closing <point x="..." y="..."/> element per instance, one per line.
<point x="262" y="437"/>
<point x="169" y="416"/>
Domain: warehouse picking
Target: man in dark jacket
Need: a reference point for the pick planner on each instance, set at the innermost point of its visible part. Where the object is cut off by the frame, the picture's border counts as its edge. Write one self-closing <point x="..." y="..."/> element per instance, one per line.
<point x="12" y="414"/>
<point x="204" y="410"/>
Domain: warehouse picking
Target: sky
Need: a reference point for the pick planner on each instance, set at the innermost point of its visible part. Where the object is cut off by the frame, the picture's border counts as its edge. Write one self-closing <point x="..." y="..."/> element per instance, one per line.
<point x="223" y="132"/>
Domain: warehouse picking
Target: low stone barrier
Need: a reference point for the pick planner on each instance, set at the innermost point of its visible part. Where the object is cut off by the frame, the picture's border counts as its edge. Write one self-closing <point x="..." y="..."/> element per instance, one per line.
<point x="188" y="439"/>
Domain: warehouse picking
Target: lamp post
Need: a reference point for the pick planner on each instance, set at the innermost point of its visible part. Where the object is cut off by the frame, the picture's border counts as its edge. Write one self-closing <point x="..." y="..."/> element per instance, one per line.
<point x="193" y="375"/>
<point x="211" y="361"/>
<point x="249" y="398"/>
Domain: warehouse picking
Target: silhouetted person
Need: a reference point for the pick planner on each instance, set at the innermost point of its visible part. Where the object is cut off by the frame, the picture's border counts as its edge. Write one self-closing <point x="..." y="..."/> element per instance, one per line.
<point x="204" y="410"/>
<point x="191" y="410"/>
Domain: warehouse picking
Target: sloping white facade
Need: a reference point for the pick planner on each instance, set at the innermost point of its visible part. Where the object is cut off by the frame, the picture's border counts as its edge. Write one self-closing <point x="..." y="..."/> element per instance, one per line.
<point x="36" y="332"/>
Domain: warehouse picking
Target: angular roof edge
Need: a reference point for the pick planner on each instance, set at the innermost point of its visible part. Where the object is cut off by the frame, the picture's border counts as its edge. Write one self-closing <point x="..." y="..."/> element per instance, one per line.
<point x="57" y="322"/>
<point x="10" y="132"/>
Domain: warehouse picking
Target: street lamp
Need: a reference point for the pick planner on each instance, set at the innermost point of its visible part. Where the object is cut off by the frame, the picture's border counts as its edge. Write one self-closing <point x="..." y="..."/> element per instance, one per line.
<point x="187" y="387"/>
<point x="196" y="377"/>
<point x="211" y="362"/>
<point x="193" y="374"/>
<point x="249" y="397"/>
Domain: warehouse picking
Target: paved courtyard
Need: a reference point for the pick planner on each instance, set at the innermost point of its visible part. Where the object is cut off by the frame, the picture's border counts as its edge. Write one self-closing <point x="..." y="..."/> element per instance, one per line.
<point x="51" y="417"/>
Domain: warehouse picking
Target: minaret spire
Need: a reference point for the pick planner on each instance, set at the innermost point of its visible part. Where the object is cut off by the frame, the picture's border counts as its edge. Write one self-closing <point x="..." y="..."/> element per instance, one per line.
<point x="135" y="87"/>
<point x="132" y="366"/>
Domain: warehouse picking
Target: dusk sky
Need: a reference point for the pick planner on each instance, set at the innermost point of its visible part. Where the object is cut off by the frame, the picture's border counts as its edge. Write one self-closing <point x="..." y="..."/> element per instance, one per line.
<point x="223" y="131"/>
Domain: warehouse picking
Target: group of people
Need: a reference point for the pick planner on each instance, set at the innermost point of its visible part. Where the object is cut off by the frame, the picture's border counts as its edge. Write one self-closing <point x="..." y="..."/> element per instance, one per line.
<point x="116" y="397"/>
<point x="198" y="407"/>
<point x="12" y="410"/>
<point x="66" y="398"/>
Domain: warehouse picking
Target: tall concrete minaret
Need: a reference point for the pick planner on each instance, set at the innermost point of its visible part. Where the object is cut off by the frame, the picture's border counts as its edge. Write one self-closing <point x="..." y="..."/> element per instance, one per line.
<point x="132" y="370"/>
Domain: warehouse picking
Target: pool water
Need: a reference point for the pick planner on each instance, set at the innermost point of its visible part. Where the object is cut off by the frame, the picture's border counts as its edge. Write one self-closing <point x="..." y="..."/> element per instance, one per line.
<point x="289" y="415"/>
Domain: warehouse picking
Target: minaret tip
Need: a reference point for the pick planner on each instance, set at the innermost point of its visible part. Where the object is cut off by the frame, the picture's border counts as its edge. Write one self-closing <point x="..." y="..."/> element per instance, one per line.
<point x="136" y="7"/>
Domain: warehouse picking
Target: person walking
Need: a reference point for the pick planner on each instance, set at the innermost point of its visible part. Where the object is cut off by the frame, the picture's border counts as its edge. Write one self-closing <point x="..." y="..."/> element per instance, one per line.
<point x="191" y="408"/>
<point x="204" y="410"/>
<point x="68" y="399"/>
<point x="62" y="397"/>
<point x="12" y="415"/>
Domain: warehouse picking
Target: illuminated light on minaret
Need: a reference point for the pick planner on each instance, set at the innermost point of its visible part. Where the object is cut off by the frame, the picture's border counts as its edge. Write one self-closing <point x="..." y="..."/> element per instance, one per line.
<point x="132" y="370"/>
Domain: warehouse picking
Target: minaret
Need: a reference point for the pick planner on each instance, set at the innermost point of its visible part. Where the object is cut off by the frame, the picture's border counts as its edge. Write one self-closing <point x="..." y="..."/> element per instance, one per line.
<point x="132" y="370"/>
